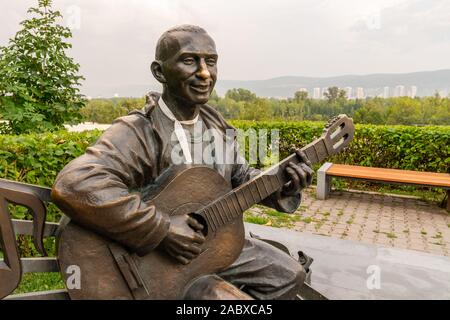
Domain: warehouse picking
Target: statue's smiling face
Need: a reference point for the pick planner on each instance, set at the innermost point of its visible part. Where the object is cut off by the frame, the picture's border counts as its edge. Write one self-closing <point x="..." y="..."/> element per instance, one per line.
<point x="191" y="71"/>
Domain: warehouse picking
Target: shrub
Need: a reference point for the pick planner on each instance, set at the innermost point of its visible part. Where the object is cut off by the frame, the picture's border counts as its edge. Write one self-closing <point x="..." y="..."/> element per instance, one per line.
<point x="37" y="158"/>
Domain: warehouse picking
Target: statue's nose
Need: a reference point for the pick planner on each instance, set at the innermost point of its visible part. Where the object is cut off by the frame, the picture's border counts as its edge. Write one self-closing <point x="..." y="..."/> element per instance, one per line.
<point x="203" y="71"/>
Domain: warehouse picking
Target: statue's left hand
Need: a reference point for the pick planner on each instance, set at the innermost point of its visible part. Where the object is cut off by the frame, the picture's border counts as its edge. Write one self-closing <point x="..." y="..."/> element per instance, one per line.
<point x="300" y="175"/>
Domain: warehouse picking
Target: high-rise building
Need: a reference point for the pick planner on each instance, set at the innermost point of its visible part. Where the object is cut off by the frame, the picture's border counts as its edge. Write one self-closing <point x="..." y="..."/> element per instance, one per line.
<point x="386" y="92"/>
<point x="413" y="91"/>
<point x="316" y="93"/>
<point x="359" y="93"/>
<point x="324" y="89"/>
<point x="348" y="91"/>
<point x="399" y="91"/>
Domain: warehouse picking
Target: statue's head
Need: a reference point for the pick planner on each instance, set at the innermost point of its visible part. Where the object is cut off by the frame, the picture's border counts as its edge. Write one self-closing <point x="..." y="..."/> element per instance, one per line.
<point x="186" y="64"/>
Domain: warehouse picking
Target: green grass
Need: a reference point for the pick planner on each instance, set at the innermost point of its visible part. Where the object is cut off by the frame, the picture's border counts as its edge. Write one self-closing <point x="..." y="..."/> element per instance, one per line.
<point x="437" y="235"/>
<point x="255" y="219"/>
<point x="307" y="220"/>
<point x="391" y="235"/>
<point x="32" y="282"/>
<point x="271" y="217"/>
<point x="425" y="193"/>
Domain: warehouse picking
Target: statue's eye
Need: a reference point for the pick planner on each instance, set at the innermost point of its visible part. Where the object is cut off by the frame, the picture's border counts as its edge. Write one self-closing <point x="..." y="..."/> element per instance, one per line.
<point x="211" y="62"/>
<point x="189" y="61"/>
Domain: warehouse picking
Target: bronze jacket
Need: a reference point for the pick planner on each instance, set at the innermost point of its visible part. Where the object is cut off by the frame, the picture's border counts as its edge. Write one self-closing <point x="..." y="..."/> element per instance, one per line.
<point x="98" y="189"/>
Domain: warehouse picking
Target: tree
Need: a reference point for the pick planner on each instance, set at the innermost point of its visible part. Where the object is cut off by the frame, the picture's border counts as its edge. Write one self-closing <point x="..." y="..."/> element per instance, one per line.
<point x="240" y="95"/>
<point x="39" y="83"/>
<point x="257" y="110"/>
<point x="334" y="94"/>
<point x="300" y="95"/>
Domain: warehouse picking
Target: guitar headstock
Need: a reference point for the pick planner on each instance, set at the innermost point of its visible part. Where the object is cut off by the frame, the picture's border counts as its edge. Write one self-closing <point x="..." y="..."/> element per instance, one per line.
<point x="338" y="133"/>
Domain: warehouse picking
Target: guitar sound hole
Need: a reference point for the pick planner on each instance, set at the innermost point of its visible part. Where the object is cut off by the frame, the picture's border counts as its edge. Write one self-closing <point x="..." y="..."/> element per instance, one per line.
<point x="200" y="219"/>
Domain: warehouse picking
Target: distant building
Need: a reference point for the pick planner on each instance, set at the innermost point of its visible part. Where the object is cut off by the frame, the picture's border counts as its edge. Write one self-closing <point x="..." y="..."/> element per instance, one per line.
<point x="316" y="93"/>
<point x="386" y="92"/>
<point x="359" y="93"/>
<point x="413" y="92"/>
<point x="399" y="91"/>
<point x="442" y="93"/>
<point x="324" y="89"/>
<point x="348" y="91"/>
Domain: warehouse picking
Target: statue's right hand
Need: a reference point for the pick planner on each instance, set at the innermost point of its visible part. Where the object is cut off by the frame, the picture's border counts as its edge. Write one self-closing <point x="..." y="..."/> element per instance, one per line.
<point x="184" y="238"/>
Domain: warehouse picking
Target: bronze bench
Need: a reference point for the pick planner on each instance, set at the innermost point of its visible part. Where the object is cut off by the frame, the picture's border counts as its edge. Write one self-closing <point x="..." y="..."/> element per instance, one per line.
<point x="12" y="266"/>
<point x="35" y="199"/>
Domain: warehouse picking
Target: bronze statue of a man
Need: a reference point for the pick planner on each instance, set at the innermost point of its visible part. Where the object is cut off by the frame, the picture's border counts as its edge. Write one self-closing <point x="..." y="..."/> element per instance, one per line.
<point x="98" y="189"/>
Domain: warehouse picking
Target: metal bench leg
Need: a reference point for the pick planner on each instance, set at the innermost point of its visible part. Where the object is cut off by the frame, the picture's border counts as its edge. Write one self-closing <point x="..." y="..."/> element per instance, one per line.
<point x="323" y="182"/>
<point x="448" y="200"/>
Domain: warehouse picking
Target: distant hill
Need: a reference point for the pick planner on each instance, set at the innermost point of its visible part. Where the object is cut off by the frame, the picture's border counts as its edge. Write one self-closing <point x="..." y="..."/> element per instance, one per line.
<point x="425" y="83"/>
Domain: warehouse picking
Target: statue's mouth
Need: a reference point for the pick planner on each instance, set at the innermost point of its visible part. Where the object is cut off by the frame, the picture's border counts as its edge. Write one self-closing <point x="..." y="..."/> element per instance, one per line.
<point x="200" y="88"/>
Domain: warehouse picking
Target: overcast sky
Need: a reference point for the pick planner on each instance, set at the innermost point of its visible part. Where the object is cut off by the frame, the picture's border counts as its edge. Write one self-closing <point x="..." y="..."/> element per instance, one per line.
<point x="114" y="40"/>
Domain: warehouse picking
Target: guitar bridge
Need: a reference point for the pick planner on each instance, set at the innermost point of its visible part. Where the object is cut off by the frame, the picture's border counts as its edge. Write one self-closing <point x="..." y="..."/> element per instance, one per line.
<point x="129" y="271"/>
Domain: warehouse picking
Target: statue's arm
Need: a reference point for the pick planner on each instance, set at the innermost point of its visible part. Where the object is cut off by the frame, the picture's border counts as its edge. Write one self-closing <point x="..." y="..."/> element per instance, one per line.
<point x="94" y="189"/>
<point x="242" y="172"/>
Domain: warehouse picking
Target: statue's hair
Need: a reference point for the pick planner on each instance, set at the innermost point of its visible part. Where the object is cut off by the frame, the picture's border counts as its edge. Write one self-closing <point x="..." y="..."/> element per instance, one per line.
<point x="163" y="44"/>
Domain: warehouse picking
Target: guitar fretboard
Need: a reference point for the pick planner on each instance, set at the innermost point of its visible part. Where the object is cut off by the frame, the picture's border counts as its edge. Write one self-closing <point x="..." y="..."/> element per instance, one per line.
<point x="233" y="204"/>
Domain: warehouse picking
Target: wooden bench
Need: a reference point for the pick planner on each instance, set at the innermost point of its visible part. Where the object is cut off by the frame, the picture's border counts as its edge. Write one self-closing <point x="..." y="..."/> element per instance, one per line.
<point x="395" y="176"/>
<point x="34" y="198"/>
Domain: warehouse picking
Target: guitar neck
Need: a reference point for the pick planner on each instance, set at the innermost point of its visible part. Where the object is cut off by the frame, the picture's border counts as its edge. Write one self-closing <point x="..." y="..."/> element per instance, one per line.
<point x="231" y="205"/>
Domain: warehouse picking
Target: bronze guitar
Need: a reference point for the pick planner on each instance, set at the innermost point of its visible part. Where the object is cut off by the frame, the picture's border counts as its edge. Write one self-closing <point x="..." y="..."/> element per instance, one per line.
<point x="109" y="271"/>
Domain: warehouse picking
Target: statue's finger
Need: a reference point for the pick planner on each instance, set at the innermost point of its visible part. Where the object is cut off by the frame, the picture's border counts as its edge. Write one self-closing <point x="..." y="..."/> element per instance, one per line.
<point x="183" y="260"/>
<point x="302" y="156"/>
<point x="309" y="173"/>
<point x="302" y="176"/>
<point x="197" y="238"/>
<point x="192" y="222"/>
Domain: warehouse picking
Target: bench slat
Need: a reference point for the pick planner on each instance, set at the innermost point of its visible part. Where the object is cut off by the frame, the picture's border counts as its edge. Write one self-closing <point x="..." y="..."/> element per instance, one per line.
<point x="45" y="264"/>
<point x="41" y="295"/>
<point x="393" y="175"/>
<point x="44" y="193"/>
<point x="25" y="227"/>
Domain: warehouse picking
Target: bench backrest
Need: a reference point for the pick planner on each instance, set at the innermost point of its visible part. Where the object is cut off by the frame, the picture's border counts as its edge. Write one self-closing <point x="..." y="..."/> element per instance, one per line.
<point x="12" y="266"/>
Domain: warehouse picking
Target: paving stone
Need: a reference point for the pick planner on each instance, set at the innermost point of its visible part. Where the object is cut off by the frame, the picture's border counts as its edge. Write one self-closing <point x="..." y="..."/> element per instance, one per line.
<point x="369" y="212"/>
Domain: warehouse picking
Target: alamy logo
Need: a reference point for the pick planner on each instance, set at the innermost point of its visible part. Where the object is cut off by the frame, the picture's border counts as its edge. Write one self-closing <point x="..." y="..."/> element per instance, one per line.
<point x="214" y="146"/>
<point x="374" y="279"/>
<point x="74" y="280"/>
<point x="73" y="14"/>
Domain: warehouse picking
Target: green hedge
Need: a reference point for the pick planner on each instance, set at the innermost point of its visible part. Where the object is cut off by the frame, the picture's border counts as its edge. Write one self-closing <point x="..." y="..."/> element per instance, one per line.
<point x="37" y="158"/>
<point x="399" y="147"/>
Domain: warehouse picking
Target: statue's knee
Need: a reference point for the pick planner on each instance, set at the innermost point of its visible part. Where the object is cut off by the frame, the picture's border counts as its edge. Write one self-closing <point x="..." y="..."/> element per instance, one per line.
<point x="212" y="287"/>
<point x="298" y="275"/>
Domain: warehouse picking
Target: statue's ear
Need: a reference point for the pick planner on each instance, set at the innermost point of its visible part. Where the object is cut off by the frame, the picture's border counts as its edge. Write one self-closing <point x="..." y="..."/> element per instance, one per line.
<point x="156" y="68"/>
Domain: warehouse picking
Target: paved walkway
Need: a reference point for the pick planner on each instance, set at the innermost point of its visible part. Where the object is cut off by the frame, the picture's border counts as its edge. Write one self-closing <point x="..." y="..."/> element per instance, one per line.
<point x="387" y="221"/>
<point x="345" y="269"/>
